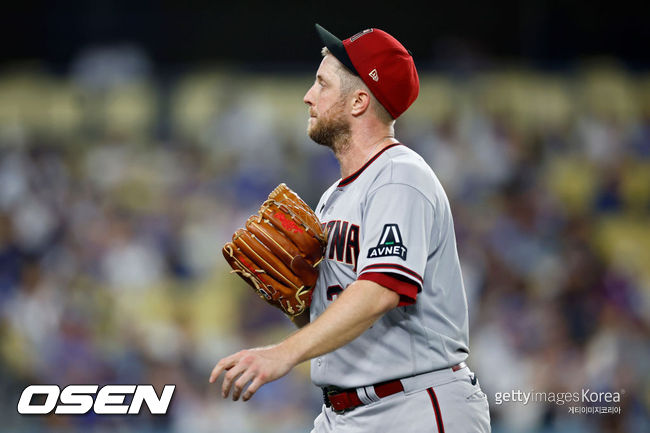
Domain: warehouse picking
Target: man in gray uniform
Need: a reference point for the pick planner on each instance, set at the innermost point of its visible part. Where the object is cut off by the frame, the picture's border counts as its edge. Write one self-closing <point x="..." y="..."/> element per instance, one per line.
<point x="387" y="330"/>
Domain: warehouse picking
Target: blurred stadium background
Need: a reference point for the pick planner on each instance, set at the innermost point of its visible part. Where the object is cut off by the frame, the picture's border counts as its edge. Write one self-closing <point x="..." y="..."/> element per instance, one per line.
<point x="134" y="139"/>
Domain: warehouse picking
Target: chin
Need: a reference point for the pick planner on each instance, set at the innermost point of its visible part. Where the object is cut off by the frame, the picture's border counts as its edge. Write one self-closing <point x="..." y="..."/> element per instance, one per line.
<point x="311" y="124"/>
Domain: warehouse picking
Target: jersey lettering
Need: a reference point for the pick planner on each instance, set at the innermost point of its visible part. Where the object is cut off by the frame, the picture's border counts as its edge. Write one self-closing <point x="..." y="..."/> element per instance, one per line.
<point x="343" y="241"/>
<point x="333" y="292"/>
<point x="352" y="249"/>
<point x="338" y="241"/>
<point x="330" y="235"/>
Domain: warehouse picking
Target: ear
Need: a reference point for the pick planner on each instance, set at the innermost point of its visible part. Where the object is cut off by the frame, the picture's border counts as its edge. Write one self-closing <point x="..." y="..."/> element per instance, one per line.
<point x="360" y="102"/>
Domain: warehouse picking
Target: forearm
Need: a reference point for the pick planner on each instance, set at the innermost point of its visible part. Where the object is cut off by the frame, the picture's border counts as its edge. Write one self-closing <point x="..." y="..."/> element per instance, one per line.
<point x="352" y="313"/>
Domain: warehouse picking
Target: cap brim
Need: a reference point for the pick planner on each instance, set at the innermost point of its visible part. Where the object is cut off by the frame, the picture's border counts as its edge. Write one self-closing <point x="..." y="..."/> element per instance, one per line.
<point x="335" y="45"/>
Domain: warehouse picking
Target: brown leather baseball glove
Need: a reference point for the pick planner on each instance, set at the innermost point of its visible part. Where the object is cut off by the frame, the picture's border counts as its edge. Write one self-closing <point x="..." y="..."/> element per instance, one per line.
<point x="278" y="251"/>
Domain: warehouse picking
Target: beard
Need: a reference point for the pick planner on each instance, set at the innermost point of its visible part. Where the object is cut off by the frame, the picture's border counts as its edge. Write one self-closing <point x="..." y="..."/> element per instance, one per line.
<point x="332" y="129"/>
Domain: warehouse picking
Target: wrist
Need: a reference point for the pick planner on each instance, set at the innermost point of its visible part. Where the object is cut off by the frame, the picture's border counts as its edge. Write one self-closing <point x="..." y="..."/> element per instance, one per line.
<point x="291" y="349"/>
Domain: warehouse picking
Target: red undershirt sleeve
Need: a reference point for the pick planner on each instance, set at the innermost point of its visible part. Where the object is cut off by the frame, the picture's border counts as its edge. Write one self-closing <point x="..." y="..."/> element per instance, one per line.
<point x="406" y="290"/>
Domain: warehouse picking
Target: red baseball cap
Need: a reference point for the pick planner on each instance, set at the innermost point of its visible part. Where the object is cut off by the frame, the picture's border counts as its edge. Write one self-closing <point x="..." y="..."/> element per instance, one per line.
<point x="384" y="65"/>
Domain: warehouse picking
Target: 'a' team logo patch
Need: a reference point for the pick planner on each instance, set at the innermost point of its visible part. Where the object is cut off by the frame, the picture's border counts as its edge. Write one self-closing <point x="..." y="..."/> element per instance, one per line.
<point x="390" y="244"/>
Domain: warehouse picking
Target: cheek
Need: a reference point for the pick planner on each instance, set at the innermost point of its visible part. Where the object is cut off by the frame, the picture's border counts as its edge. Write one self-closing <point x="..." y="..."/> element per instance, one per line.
<point x="325" y="102"/>
<point x="323" y="95"/>
<point x="318" y="96"/>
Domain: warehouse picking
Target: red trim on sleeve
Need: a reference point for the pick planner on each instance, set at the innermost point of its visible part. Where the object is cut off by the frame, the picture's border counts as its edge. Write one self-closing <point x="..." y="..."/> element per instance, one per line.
<point x="394" y="266"/>
<point x="407" y="292"/>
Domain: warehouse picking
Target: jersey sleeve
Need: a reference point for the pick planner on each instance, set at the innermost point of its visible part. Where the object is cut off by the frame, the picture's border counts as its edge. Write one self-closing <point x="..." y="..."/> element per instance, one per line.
<point x="397" y="225"/>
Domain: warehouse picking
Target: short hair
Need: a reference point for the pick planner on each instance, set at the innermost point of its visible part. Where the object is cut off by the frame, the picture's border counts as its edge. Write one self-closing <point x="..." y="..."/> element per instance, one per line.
<point x="351" y="82"/>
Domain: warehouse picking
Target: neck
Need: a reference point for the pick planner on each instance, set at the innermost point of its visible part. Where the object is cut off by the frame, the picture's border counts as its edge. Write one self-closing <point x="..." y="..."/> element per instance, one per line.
<point x="361" y="147"/>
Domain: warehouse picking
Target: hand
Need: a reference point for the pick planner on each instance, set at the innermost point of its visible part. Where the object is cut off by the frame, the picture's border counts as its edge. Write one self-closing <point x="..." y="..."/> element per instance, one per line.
<point x="257" y="366"/>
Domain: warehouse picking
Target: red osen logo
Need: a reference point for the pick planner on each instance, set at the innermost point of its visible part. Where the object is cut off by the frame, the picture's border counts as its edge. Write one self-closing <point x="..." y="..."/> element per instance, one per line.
<point x="288" y="224"/>
<point x="81" y="399"/>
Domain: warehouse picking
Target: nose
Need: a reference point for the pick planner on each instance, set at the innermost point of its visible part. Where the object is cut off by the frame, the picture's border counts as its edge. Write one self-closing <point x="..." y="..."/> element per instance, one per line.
<point x="308" y="99"/>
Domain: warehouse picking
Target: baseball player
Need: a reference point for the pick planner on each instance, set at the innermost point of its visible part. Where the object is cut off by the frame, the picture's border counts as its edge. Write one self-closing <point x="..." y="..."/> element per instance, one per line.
<point x="387" y="329"/>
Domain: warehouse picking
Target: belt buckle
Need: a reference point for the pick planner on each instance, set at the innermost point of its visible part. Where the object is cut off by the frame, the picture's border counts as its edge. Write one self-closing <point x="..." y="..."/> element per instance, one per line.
<point x="335" y="391"/>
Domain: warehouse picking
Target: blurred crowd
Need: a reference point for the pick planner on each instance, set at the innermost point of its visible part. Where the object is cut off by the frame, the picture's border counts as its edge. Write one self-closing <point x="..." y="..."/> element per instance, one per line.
<point x="119" y="185"/>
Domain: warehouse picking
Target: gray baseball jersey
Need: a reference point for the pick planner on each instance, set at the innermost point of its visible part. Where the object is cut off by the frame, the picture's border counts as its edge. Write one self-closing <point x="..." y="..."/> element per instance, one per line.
<point x="390" y="222"/>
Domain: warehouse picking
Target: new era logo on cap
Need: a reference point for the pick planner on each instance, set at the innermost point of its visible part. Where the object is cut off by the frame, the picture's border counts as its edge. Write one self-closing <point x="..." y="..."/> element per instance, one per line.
<point x="373" y="50"/>
<point x="358" y="35"/>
